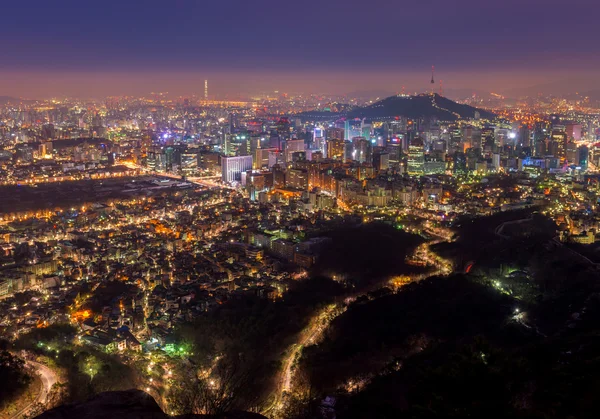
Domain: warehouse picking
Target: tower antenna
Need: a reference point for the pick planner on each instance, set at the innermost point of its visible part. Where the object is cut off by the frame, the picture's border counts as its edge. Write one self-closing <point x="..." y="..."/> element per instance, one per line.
<point x="432" y="78"/>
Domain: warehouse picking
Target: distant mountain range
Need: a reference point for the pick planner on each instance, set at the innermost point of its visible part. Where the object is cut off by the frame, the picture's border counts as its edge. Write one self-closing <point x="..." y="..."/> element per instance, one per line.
<point x="418" y="106"/>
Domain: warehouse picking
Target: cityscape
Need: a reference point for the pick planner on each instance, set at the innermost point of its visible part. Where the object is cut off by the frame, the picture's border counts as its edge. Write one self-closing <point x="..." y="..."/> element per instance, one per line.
<point x="288" y="250"/>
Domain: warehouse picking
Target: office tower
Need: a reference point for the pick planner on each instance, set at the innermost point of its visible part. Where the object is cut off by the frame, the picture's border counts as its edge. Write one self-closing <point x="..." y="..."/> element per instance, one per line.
<point x="460" y="163"/>
<point x="571" y="152"/>
<point x="336" y="149"/>
<point x="278" y="176"/>
<point x="558" y="142"/>
<point x="255" y="183"/>
<point x="298" y="156"/>
<point x="318" y="132"/>
<point x="583" y="157"/>
<point x="496" y="161"/>
<point x="261" y="157"/>
<point x="276" y="157"/>
<point x="524" y="137"/>
<point x="205" y="89"/>
<point x="361" y="149"/>
<point x="189" y="162"/>
<point x="416" y="157"/>
<point x="209" y="161"/>
<point x="283" y="128"/>
<point x="573" y="130"/>
<point x="334" y="134"/>
<point x="237" y="144"/>
<point x="320" y="144"/>
<point x="394" y="150"/>
<point x="467" y="137"/>
<point x="45" y="150"/>
<point x="297" y="178"/>
<point x="366" y="130"/>
<point x="232" y="167"/>
<point x="292" y="146"/>
<point x="381" y="161"/>
<point x="488" y="139"/>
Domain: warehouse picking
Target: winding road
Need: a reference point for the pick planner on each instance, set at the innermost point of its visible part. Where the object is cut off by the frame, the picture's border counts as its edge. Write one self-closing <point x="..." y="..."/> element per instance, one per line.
<point x="48" y="378"/>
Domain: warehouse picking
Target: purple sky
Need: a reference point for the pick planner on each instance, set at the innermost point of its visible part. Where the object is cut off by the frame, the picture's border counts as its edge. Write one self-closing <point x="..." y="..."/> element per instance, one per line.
<point x="68" y="47"/>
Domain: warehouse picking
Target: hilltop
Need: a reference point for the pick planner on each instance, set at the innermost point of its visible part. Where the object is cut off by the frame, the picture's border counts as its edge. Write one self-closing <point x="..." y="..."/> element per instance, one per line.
<point x="418" y="106"/>
<point x="423" y="105"/>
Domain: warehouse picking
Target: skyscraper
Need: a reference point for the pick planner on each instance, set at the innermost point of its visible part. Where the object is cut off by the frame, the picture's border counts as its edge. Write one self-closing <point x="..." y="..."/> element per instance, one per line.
<point x="336" y="149"/>
<point x="583" y="156"/>
<point x="558" y="142"/>
<point x="361" y="149"/>
<point x="232" y="167"/>
<point x="416" y="157"/>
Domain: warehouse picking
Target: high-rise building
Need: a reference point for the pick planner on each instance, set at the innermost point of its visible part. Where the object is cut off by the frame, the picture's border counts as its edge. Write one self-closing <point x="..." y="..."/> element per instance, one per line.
<point x="291" y="147"/>
<point x="558" y="142"/>
<point x="261" y="157"/>
<point x="381" y="161"/>
<point x="394" y="150"/>
<point x="334" y="134"/>
<point x="583" y="157"/>
<point x="416" y="157"/>
<point x="460" y="163"/>
<point x="297" y="178"/>
<point x="336" y="149"/>
<point x="232" y="167"/>
<point x="571" y="153"/>
<point x="361" y="149"/>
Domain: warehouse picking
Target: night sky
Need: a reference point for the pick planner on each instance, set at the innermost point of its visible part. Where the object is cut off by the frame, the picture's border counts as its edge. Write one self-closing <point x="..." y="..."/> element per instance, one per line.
<point x="131" y="47"/>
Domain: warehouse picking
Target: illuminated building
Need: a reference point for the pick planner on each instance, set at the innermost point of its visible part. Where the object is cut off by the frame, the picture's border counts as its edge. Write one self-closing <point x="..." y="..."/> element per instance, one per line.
<point x="297" y="178"/>
<point x="394" y="150"/>
<point x="232" y="167"/>
<point x="255" y="183"/>
<point x="460" y="163"/>
<point x="334" y="134"/>
<point x="496" y="161"/>
<point x="558" y="142"/>
<point x="583" y="157"/>
<point x="361" y="149"/>
<point x="488" y="139"/>
<point x="292" y="146"/>
<point x="278" y="176"/>
<point x="189" y="162"/>
<point x="45" y="150"/>
<point x="573" y="131"/>
<point x="261" y="157"/>
<point x="416" y="157"/>
<point x="381" y="161"/>
<point x="336" y="149"/>
<point x="571" y="152"/>
<point x="237" y="145"/>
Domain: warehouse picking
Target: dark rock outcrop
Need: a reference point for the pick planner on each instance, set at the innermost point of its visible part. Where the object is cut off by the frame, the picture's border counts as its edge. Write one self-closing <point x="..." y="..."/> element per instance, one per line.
<point x="130" y="404"/>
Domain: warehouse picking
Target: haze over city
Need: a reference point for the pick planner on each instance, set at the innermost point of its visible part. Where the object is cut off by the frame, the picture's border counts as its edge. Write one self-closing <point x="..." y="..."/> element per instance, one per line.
<point x="113" y="48"/>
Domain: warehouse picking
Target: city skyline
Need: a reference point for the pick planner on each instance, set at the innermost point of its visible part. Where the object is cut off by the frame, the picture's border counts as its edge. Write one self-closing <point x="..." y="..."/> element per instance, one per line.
<point x="299" y="210"/>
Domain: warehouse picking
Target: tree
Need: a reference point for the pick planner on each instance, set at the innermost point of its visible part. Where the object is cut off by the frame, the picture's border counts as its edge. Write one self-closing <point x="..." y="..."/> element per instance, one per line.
<point x="13" y="377"/>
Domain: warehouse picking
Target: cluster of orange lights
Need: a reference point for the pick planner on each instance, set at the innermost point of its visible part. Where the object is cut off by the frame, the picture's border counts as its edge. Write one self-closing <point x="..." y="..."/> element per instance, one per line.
<point x="81" y="315"/>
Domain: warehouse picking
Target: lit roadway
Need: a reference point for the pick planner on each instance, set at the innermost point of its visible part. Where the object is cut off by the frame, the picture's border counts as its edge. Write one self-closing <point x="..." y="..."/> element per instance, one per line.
<point x="322" y="320"/>
<point x="206" y="181"/>
<point x="315" y="328"/>
<point x="48" y="378"/>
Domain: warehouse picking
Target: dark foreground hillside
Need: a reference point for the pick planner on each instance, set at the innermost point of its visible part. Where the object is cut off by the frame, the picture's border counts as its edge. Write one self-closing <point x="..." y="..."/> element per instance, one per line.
<point x="132" y="404"/>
